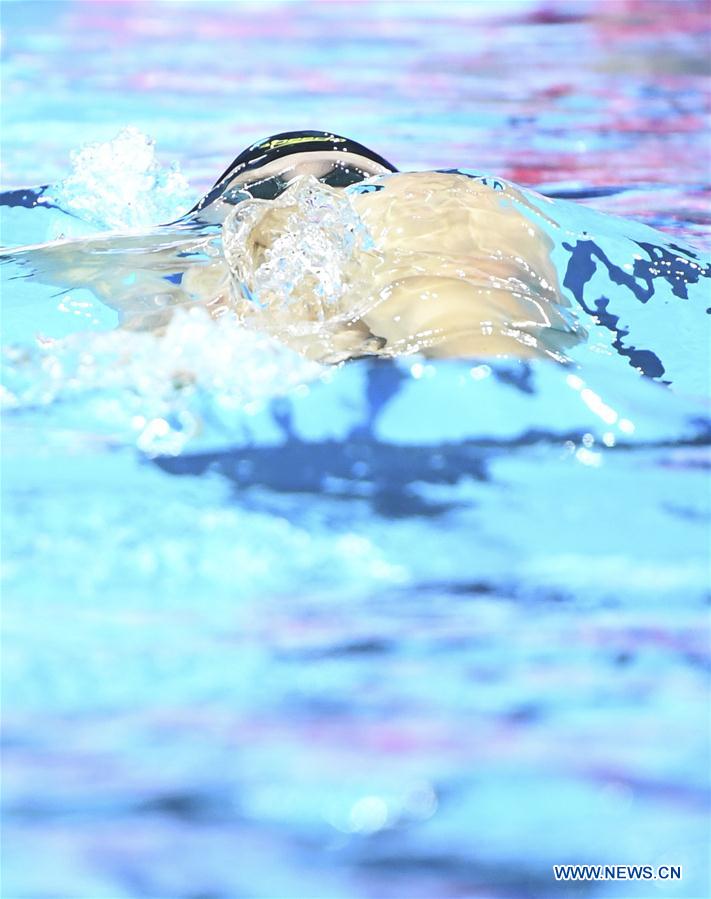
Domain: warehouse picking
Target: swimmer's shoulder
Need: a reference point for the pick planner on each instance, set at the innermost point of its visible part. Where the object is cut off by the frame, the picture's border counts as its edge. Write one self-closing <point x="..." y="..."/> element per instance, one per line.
<point x="430" y="188"/>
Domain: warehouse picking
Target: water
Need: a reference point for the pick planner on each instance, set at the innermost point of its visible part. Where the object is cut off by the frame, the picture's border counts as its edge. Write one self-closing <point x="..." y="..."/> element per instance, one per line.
<point x="404" y="627"/>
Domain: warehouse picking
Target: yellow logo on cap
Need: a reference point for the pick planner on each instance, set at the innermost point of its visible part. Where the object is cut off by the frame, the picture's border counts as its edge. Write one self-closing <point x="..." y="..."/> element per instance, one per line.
<point x="303" y="139"/>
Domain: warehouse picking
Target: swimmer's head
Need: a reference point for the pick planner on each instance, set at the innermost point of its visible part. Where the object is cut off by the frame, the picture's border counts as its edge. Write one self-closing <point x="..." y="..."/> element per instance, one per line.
<point x="265" y="169"/>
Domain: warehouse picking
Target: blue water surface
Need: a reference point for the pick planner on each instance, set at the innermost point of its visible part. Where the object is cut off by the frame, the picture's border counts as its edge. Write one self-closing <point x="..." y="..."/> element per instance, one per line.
<point x="398" y="628"/>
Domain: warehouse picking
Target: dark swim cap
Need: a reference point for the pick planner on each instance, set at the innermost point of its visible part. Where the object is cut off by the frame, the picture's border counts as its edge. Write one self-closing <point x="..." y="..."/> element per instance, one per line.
<point x="352" y="162"/>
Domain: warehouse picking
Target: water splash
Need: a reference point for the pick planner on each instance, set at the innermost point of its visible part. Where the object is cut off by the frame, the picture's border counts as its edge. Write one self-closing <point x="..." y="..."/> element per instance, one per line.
<point x="155" y="390"/>
<point x="121" y="184"/>
<point x="315" y="234"/>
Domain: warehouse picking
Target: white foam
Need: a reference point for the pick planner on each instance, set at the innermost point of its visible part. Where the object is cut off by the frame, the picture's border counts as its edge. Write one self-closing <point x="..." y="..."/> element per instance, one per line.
<point x="121" y="184"/>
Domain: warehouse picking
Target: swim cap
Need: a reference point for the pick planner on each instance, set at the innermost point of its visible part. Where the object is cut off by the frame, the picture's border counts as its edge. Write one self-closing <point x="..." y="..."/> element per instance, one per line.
<point x="265" y="169"/>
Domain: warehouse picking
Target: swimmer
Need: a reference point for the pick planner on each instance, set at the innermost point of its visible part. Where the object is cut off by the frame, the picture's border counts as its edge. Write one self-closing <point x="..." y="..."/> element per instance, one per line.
<point x="437" y="263"/>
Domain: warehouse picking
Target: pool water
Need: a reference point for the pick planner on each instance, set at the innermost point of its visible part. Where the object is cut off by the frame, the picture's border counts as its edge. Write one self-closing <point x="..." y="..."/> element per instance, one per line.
<point x="396" y="628"/>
